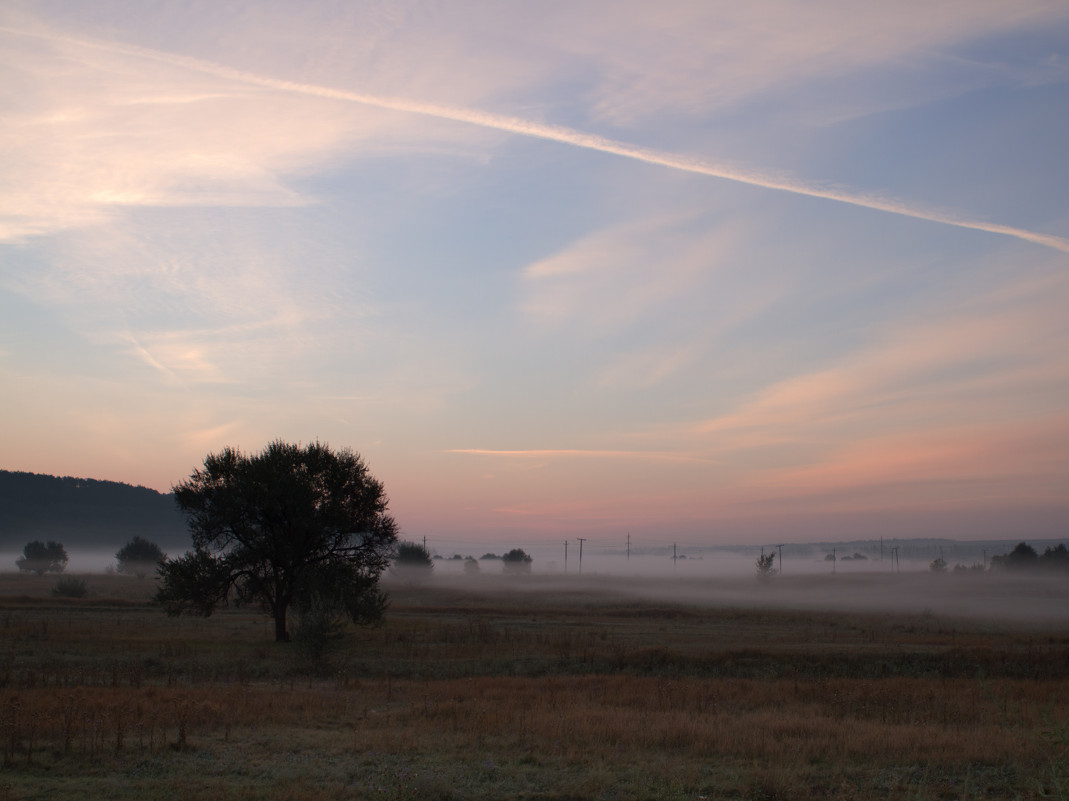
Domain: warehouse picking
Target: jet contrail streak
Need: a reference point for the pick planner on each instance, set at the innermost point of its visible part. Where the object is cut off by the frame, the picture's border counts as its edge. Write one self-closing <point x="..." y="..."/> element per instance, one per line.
<point x="569" y="136"/>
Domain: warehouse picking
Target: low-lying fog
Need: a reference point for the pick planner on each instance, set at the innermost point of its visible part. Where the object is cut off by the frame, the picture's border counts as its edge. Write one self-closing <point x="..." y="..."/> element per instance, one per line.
<point x="727" y="576"/>
<point x="856" y="587"/>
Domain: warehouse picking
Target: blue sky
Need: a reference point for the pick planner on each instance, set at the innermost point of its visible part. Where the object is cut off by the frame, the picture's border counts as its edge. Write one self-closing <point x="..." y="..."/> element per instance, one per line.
<point x="701" y="272"/>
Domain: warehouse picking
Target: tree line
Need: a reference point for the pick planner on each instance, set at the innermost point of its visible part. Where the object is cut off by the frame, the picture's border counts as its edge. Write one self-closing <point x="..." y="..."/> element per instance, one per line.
<point x="1023" y="558"/>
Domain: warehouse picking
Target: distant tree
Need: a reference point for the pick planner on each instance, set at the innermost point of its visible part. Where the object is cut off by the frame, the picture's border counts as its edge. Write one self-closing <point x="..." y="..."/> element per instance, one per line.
<point x="938" y="565"/>
<point x="471" y="565"/>
<point x="412" y="561"/>
<point x="765" y="569"/>
<point x="517" y="561"/>
<point x="290" y="526"/>
<point x="1056" y="558"/>
<point x="1022" y="557"/>
<point x="488" y="556"/>
<point x="40" y="558"/>
<point x="139" y="557"/>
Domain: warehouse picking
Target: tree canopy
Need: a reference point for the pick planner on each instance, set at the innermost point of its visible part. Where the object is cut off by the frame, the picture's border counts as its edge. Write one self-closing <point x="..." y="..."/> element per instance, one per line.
<point x="40" y="558"/>
<point x="290" y="526"/>
<point x="517" y="561"/>
<point x="139" y="557"/>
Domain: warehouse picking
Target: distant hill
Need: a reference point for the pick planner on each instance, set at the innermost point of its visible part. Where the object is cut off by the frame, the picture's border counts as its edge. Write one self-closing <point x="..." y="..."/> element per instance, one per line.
<point x="85" y="513"/>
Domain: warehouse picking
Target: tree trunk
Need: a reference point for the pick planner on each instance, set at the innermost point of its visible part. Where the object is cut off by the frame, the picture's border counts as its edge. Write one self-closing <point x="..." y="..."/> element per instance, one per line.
<point x="281" y="635"/>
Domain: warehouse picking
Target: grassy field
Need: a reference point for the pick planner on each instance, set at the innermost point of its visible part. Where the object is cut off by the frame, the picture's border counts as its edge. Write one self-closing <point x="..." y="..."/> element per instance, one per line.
<point x="536" y="689"/>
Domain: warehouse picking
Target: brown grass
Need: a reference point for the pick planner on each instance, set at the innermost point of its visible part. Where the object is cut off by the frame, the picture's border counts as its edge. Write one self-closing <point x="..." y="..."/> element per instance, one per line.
<point x="495" y="697"/>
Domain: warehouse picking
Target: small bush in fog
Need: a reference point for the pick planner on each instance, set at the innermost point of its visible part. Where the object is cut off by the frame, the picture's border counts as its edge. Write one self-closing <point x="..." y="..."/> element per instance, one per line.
<point x="471" y="565"/>
<point x="938" y="565"/>
<point x="765" y="569"/>
<point x="70" y="587"/>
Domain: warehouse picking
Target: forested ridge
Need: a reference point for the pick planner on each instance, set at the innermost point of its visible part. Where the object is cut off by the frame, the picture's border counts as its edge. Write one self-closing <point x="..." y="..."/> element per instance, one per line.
<point x="85" y="512"/>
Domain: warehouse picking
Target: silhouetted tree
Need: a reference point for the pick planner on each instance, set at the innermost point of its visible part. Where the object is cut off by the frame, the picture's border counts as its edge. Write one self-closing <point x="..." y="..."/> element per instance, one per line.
<point x="1022" y="557"/>
<point x="139" y="557"/>
<point x="938" y="565"/>
<point x="517" y="561"/>
<point x="290" y="526"/>
<point x="1056" y="558"/>
<point x="40" y="558"/>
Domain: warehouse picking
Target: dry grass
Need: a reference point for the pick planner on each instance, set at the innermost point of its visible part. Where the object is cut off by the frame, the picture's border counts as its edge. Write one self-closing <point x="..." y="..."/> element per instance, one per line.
<point x="496" y="695"/>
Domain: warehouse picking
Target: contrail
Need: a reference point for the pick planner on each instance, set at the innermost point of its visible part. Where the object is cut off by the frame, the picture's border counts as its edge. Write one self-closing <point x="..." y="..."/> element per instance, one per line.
<point x="564" y="135"/>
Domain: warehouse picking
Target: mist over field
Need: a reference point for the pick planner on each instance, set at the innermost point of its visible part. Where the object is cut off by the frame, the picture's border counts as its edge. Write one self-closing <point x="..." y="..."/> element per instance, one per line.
<point x="726" y="576"/>
<point x="858" y="580"/>
<point x="1042" y="600"/>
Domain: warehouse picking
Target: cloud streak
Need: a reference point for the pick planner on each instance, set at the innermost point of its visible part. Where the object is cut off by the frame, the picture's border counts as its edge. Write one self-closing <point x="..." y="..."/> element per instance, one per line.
<point x="563" y="135"/>
<point x="661" y="456"/>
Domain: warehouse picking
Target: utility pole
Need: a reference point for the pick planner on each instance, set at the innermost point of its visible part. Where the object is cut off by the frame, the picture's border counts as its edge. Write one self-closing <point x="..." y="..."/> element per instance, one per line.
<point x="566" y="556"/>
<point x="834" y="559"/>
<point x="780" y="559"/>
<point x="581" y="541"/>
<point x="674" y="557"/>
<point x="629" y="546"/>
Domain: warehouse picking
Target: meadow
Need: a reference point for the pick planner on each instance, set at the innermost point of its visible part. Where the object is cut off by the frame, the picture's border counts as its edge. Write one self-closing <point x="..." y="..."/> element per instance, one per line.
<point x="544" y="688"/>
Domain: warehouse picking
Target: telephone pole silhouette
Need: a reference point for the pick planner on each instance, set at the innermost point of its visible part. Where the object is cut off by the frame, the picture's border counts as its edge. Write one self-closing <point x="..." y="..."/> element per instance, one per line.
<point x="581" y="541"/>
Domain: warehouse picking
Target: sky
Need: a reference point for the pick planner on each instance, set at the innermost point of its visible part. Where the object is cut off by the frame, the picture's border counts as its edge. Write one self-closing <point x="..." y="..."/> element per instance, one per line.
<point x="695" y="272"/>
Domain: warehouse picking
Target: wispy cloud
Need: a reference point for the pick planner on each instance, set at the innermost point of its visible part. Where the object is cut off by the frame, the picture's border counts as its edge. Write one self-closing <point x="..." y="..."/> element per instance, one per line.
<point x="569" y="136"/>
<point x="579" y="453"/>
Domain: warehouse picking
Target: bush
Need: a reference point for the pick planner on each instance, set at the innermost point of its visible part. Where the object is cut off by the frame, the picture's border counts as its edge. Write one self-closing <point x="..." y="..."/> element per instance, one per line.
<point x="70" y="587"/>
<point x="765" y="570"/>
<point x="938" y="565"/>
<point x="320" y="627"/>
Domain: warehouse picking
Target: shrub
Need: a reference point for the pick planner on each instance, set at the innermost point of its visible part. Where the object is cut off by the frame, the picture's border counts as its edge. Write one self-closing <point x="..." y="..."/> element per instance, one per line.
<point x="765" y="570"/>
<point x="320" y="626"/>
<point x="70" y="587"/>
